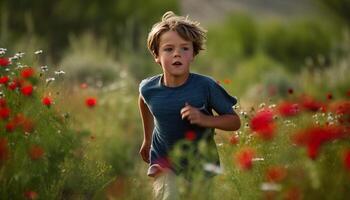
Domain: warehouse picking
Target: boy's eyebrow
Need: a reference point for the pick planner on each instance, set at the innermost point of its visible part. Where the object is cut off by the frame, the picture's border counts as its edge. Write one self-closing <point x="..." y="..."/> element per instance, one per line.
<point x="170" y="44"/>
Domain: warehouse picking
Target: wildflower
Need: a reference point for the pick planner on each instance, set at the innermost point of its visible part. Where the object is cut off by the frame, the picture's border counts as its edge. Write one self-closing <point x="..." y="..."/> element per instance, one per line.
<point x="27" y="72"/>
<point x="234" y="139"/>
<point x="310" y="104"/>
<point x="83" y="86"/>
<point x="47" y="101"/>
<point x="227" y="81"/>
<point x="49" y="80"/>
<point x="347" y="159"/>
<point x="4" y="152"/>
<point x="213" y="168"/>
<point x="293" y="193"/>
<point x="31" y="195"/>
<point x="329" y="96"/>
<point x="270" y="187"/>
<point x="312" y="138"/>
<point x="36" y="152"/>
<point x="90" y="102"/>
<point x="244" y="158"/>
<point x="13" y="85"/>
<point x="44" y="68"/>
<point x="59" y="73"/>
<point x="288" y="109"/>
<point x="4" y="113"/>
<point x="262" y="123"/>
<point x="290" y="91"/>
<point x="27" y="90"/>
<point x="4" y="80"/>
<point x="275" y="174"/>
<point x="2" y="103"/>
<point x="10" y="127"/>
<point x="38" y="52"/>
<point x="190" y="135"/>
<point x="4" y="62"/>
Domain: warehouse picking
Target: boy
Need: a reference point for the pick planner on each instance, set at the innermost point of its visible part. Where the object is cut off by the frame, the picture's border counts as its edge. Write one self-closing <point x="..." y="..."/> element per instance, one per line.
<point x="176" y="106"/>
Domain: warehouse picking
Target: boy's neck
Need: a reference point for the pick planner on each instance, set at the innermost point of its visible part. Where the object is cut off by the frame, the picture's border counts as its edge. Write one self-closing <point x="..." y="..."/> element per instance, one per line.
<point x="174" y="81"/>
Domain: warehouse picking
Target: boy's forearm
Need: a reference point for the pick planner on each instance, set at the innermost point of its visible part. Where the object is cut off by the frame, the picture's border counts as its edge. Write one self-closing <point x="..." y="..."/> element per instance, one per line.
<point x="228" y="122"/>
<point x="147" y="121"/>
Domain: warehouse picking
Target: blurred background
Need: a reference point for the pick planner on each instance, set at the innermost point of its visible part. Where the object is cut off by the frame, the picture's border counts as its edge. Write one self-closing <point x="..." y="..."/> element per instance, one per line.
<point x="257" y="49"/>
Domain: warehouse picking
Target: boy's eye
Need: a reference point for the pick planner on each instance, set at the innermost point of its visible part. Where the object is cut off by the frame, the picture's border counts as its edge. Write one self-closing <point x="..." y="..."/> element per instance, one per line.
<point x="168" y="49"/>
<point x="185" y="48"/>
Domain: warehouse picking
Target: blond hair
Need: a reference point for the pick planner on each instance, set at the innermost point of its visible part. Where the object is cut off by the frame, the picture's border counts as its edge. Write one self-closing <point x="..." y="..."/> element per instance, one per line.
<point x="187" y="29"/>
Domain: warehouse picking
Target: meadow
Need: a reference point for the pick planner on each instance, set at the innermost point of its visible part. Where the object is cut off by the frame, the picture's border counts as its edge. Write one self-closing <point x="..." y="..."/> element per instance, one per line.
<point x="70" y="125"/>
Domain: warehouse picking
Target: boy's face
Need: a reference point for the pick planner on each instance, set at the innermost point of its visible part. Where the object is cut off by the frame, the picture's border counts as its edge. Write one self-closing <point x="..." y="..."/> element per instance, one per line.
<point x="175" y="54"/>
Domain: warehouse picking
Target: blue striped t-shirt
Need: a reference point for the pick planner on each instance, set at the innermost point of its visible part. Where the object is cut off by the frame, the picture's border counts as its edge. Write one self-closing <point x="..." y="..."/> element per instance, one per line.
<point x="165" y="104"/>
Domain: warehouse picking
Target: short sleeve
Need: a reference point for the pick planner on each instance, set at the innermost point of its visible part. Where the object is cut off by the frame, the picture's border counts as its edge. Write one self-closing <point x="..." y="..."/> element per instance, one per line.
<point x="220" y="100"/>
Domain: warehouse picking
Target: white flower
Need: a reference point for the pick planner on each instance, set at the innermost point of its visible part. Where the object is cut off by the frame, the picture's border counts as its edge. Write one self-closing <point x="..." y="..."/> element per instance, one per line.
<point x="210" y="167"/>
<point x="270" y="187"/>
<point x="60" y="72"/>
<point x="38" y="52"/>
<point x="49" y="80"/>
<point x="44" y="68"/>
<point x="258" y="159"/>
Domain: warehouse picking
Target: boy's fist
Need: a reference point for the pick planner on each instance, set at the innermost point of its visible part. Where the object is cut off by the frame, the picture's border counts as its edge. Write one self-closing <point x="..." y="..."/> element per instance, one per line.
<point x="144" y="151"/>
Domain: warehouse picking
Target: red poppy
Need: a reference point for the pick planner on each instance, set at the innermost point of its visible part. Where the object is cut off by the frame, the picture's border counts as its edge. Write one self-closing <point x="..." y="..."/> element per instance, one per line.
<point x="36" y="152"/>
<point x="13" y="85"/>
<point x="262" y="123"/>
<point x="312" y="138"/>
<point x="47" y="101"/>
<point x="275" y="174"/>
<point x="10" y="127"/>
<point x="329" y="96"/>
<point x="347" y="159"/>
<point x="340" y="107"/>
<point x="227" y="81"/>
<point x="348" y="93"/>
<point x="293" y="193"/>
<point x="190" y="135"/>
<point x="244" y="158"/>
<point x="4" y="62"/>
<point x="288" y="109"/>
<point x="290" y="91"/>
<point x="90" y="102"/>
<point x="31" y="195"/>
<point x="2" y="103"/>
<point x="4" y="152"/>
<point x="310" y="104"/>
<point x="4" y="113"/>
<point x="4" y="80"/>
<point x="27" y="72"/>
<point x="26" y="124"/>
<point x="27" y="90"/>
<point x="234" y="139"/>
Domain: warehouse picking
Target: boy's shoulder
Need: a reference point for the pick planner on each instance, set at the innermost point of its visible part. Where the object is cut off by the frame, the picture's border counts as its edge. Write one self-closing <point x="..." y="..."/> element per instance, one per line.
<point x="204" y="78"/>
<point x="153" y="80"/>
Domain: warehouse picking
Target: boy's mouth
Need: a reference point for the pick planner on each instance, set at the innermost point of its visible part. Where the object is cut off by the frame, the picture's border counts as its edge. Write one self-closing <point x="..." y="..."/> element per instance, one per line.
<point x="177" y="63"/>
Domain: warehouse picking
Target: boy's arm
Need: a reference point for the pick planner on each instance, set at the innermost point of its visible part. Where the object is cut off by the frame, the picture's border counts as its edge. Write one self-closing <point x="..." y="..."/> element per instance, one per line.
<point x="227" y="122"/>
<point x="148" y="125"/>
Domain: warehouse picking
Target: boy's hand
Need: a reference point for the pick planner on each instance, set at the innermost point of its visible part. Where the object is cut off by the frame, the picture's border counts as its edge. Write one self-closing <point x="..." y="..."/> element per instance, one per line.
<point x="144" y="151"/>
<point x="193" y="114"/>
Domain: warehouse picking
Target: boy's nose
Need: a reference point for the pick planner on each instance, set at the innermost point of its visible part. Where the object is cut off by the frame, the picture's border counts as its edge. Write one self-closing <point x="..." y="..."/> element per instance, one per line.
<point x="177" y="53"/>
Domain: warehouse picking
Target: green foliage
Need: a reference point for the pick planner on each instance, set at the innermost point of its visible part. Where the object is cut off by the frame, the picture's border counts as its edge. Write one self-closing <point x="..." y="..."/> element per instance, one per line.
<point x="339" y="7"/>
<point x="236" y="38"/>
<point x="294" y="43"/>
<point x="54" y="21"/>
<point x="40" y="141"/>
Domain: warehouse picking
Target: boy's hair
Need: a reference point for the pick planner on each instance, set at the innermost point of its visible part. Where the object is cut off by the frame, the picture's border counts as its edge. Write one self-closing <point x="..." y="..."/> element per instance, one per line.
<point x="187" y="29"/>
